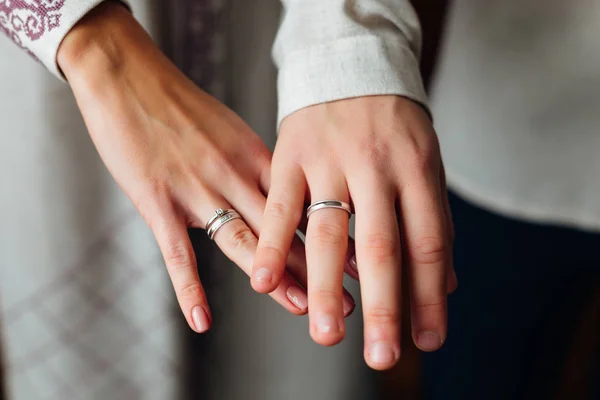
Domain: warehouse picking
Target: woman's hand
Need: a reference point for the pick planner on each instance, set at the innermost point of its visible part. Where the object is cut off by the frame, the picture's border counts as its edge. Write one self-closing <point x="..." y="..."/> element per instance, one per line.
<point x="380" y="154"/>
<point x="176" y="152"/>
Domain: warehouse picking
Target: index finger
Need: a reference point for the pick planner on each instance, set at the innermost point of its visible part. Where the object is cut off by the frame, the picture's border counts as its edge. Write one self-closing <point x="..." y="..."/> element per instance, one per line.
<point x="281" y="217"/>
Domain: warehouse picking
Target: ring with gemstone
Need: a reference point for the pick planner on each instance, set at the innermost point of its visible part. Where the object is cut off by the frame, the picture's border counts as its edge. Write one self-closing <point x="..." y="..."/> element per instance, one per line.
<point x="220" y="218"/>
<point x="320" y="205"/>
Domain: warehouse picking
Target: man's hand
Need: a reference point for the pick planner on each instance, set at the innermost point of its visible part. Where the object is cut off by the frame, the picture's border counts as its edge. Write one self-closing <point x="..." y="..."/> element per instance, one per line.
<point x="380" y="154"/>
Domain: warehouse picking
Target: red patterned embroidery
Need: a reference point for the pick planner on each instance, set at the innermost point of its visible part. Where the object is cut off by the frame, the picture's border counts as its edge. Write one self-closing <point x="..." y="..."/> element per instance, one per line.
<point x="25" y="21"/>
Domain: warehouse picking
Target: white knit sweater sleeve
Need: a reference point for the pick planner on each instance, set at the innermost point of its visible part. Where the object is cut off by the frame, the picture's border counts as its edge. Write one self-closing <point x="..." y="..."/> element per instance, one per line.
<point x="39" y="27"/>
<point x="329" y="50"/>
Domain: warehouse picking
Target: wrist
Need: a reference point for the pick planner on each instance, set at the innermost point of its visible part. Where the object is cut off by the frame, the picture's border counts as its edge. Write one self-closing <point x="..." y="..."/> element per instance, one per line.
<point x="99" y="44"/>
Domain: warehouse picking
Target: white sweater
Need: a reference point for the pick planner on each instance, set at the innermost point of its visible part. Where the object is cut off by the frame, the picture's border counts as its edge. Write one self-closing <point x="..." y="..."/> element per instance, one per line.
<point x="516" y="103"/>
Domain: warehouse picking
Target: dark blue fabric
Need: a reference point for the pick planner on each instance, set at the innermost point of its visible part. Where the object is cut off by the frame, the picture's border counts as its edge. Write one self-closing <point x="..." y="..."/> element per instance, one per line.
<point x="521" y="289"/>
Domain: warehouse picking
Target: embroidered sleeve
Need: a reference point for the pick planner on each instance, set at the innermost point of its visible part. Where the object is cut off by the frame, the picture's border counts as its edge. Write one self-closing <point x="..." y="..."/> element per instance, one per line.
<point x="39" y="26"/>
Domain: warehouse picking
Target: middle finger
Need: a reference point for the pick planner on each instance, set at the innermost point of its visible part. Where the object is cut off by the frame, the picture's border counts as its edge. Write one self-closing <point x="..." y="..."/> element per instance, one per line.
<point x="378" y="255"/>
<point x="326" y="247"/>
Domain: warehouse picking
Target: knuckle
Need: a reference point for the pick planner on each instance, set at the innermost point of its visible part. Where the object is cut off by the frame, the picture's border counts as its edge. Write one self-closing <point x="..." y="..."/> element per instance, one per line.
<point x="257" y="150"/>
<point x="276" y="210"/>
<point x="429" y="250"/>
<point x="381" y="315"/>
<point x="242" y="238"/>
<point x="376" y="154"/>
<point x="376" y="151"/>
<point x="431" y="305"/>
<point x="423" y="161"/>
<point x="225" y="165"/>
<point x="272" y="250"/>
<point x="422" y="154"/>
<point x="381" y="247"/>
<point x="153" y="196"/>
<point x="179" y="256"/>
<point x="326" y="295"/>
<point x="280" y="211"/>
<point x="329" y="234"/>
<point x="218" y="164"/>
<point x="154" y="187"/>
<point x="191" y="291"/>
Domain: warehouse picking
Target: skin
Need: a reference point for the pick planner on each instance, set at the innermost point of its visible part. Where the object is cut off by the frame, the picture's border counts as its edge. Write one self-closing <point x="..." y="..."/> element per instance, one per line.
<point x="381" y="154"/>
<point x="176" y="152"/>
<point x="179" y="154"/>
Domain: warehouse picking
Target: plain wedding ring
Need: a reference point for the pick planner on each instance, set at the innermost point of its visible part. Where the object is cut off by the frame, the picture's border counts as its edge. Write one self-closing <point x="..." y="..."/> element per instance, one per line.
<point x="320" y="205"/>
<point x="220" y="218"/>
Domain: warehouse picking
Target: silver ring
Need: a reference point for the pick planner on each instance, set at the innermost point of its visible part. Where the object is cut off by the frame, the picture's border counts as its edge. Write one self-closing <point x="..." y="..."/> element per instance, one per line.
<point x="220" y="218"/>
<point x="320" y="205"/>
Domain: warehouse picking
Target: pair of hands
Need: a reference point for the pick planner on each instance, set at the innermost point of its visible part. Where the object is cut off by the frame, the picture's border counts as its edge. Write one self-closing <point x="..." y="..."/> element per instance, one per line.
<point x="179" y="155"/>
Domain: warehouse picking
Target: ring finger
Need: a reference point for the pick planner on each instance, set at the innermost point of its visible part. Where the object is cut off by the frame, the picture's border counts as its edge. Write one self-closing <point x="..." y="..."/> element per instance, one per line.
<point x="379" y="258"/>
<point x="237" y="241"/>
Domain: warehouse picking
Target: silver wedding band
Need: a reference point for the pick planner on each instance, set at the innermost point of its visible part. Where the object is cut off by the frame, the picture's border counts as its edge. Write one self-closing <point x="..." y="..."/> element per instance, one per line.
<point x="321" y="205"/>
<point x="220" y="218"/>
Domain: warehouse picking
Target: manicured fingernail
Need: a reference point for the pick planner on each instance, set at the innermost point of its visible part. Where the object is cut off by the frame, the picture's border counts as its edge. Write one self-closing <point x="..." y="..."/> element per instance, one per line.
<point x="200" y="318"/>
<point x="349" y="305"/>
<point x="263" y="275"/>
<point x="326" y="324"/>
<point x="382" y="353"/>
<point x="353" y="265"/>
<point x="429" y="341"/>
<point x="298" y="297"/>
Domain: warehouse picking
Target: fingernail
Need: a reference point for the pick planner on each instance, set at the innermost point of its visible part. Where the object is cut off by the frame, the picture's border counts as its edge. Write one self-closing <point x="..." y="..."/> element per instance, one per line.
<point x="298" y="297"/>
<point x="382" y="353"/>
<point x="429" y="341"/>
<point x="326" y="324"/>
<point x="200" y="319"/>
<point x="353" y="265"/>
<point x="263" y="275"/>
<point x="349" y="305"/>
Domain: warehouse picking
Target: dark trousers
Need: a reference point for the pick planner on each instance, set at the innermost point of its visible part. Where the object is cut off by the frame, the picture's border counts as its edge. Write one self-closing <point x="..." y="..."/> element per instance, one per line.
<point x="513" y="320"/>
